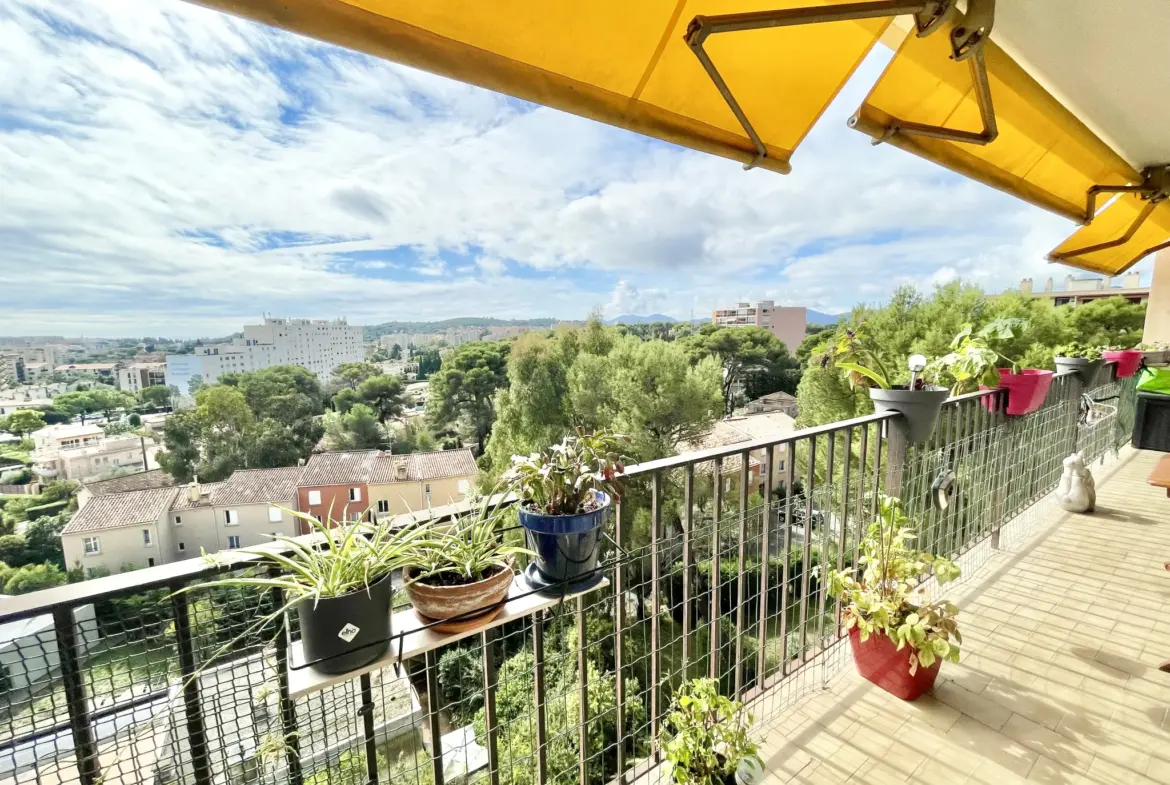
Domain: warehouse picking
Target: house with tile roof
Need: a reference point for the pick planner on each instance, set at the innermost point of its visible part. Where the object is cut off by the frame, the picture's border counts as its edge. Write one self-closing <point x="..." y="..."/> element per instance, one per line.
<point x="138" y="481"/>
<point x="149" y="526"/>
<point x="335" y="485"/>
<point x="410" y="483"/>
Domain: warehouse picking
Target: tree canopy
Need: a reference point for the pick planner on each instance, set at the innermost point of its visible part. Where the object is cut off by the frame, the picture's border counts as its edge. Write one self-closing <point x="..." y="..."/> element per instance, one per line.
<point x="742" y="352"/>
<point x="23" y="422"/>
<point x="462" y="392"/>
<point x="357" y="429"/>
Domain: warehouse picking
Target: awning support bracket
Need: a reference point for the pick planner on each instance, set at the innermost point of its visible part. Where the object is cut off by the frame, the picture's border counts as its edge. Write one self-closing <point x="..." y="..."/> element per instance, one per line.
<point x="967" y="39"/>
<point x="1153" y="190"/>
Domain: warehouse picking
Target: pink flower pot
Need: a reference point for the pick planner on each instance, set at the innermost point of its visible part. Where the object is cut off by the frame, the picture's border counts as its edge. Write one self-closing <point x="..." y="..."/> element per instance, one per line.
<point x="1026" y="389"/>
<point x="879" y="661"/>
<point x="1128" y="361"/>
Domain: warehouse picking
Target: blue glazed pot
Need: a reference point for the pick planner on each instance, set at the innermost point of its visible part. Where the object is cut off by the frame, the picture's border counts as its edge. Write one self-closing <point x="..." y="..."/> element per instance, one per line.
<point x="566" y="546"/>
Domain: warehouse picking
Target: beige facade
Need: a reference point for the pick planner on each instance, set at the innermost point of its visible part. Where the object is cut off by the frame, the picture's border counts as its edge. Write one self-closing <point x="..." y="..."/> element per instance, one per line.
<point x="138" y="376"/>
<point x="205" y="526"/>
<point x="787" y="323"/>
<point x="1077" y="291"/>
<point x="1158" y="310"/>
<point x="114" y="550"/>
<point x="397" y="498"/>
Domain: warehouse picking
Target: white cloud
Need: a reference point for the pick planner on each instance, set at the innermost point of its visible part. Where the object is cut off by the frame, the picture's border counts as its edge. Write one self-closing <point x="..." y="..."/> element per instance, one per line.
<point x="176" y="170"/>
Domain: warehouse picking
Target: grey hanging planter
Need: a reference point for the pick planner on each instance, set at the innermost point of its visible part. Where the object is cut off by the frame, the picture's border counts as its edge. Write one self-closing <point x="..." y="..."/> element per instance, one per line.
<point x="1086" y="369"/>
<point x="920" y="408"/>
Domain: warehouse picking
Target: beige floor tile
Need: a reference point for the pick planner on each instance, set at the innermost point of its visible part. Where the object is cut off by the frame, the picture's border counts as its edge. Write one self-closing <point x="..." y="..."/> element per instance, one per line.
<point x="1047" y="743"/>
<point x="978" y="706"/>
<point x="1046" y="771"/>
<point x="974" y="736"/>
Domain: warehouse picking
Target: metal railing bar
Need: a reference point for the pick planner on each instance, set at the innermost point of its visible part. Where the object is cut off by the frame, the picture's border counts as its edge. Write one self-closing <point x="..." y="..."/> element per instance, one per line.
<point x="84" y="745"/>
<point x="192" y="705"/>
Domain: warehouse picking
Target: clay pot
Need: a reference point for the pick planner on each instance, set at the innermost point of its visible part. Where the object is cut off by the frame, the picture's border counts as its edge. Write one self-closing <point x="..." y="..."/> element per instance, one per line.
<point x="459" y="607"/>
<point x="879" y="661"/>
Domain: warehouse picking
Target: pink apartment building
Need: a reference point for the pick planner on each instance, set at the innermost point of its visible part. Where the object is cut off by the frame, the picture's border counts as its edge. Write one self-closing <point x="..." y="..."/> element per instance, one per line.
<point x="786" y="323"/>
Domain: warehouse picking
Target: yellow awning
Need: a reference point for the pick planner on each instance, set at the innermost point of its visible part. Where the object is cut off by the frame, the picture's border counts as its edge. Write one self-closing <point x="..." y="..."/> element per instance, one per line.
<point x="1112" y="225"/>
<point x="1042" y="154"/>
<point x="620" y="62"/>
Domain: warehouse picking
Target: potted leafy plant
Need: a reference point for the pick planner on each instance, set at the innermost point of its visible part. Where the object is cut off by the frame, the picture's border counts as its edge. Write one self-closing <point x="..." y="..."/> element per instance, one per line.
<point x="898" y="636"/>
<point x="565" y="494"/>
<point x="856" y="354"/>
<point x="337" y="579"/>
<point x="1083" y="359"/>
<point x="1128" y="360"/>
<point x="974" y="362"/>
<point x="705" y="737"/>
<point x="461" y="574"/>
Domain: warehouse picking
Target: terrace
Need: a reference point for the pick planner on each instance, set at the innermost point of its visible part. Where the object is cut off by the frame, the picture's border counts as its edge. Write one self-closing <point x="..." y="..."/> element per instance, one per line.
<point x="708" y="572"/>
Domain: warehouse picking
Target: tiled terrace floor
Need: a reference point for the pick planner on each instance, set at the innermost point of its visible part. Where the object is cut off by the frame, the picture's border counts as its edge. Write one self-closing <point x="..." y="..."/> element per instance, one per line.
<point x="1059" y="682"/>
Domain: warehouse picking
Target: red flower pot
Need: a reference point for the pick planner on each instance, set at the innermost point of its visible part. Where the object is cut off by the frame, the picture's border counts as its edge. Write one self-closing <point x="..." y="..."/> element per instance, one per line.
<point x="879" y="661"/>
<point x="1128" y="361"/>
<point x="1026" y="389"/>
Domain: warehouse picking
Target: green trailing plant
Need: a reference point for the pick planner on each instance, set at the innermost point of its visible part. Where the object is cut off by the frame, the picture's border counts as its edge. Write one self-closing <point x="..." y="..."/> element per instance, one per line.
<point x="857" y="355"/>
<point x="973" y="359"/>
<point x="1081" y="350"/>
<point x="889" y="599"/>
<point x="465" y="551"/>
<point x="706" y="735"/>
<point x="562" y="479"/>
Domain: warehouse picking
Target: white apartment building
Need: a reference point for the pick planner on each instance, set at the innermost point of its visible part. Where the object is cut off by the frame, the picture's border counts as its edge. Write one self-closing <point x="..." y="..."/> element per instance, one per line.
<point x="786" y="323"/>
<point x="79" y="452"/>
<point x="318" y="345"/>
<point x="135" y="377"/>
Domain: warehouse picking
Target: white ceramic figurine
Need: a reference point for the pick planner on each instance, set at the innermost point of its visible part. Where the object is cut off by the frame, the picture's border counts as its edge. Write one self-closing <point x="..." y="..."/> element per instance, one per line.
<point x="1076" y="492"/>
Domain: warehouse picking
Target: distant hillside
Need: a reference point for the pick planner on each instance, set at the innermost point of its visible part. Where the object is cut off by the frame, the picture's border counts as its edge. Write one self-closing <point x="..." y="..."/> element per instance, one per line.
<point x="372" y="331"/>
<point x="816" y="317"/>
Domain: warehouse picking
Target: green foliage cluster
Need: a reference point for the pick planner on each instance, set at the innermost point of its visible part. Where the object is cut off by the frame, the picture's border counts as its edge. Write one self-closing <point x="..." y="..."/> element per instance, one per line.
<point x="743" y="353"/>
<point x="462" y="391"/>
<point x="705" y="736"/>
<point x="916" y="323"/>
<point x="257" y="420"/>
<point x="889" y="600"/>
<point x="562" y="479"/>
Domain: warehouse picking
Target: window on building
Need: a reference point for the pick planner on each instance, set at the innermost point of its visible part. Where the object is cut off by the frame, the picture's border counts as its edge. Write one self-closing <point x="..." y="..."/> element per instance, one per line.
<point x="427" y="493"/>
<point x="234" y="541"/>
<point x="231" y="517"/>
<point x="182" y="547"/>
<point x="464" y="486"/>
<point x="314" y="497"/>
<point x="146" y="537"/>
<point x="355" y="494"/>
<point x="150" y="562"/>
<point x="92" y="545"/>
<point x="275" y="515"/>
<point x="178" y="520"/>
<point x="383" y="505"/>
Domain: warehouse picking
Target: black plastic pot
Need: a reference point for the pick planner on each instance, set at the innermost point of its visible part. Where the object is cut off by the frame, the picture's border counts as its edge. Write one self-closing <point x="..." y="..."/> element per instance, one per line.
<point x="566" y="546"/>
<point x="1086" y="369"/>
<point x="340" y="634"/>
<point x="920" y="408"/>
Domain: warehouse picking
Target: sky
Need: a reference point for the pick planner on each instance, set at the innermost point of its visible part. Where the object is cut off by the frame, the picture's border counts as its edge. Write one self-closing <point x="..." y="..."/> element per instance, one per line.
<point x="169" y="170"/>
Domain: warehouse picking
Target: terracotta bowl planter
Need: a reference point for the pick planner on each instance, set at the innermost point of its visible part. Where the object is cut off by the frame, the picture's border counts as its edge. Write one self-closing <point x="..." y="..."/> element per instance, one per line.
<point x="459" y="607"/>
<point x="879" y="661"/>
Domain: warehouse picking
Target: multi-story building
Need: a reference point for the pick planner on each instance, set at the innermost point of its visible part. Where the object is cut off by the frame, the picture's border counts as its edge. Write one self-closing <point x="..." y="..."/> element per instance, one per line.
<point x="1077" y="291"/>
<point x="786" y="323"/>
<point x="318" y="345"/>
<point x="138" y="376"/>
<point x="106" y="373"/>
<point x="418" y="481"/>
<point x="12" y="369"/>
<point x="78" y="452"/>
<point x="150" y="526"/>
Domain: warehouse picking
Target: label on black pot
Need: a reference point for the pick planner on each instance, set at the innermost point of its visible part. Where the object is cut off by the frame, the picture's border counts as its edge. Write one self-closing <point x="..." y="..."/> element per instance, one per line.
<point x="348" y="633"/>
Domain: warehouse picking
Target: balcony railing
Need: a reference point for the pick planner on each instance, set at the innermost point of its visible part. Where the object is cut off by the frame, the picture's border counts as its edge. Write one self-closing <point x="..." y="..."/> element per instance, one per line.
<point x="713" y="567"/>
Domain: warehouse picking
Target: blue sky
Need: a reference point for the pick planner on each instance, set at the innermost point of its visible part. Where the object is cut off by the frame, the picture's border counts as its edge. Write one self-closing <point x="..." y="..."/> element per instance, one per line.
<point x="171" y="170"/>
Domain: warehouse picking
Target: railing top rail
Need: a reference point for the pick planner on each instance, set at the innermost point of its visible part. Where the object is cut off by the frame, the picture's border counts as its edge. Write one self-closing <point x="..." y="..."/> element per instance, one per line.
<point x="164" y="575"/>
<point x="738" y="448"/>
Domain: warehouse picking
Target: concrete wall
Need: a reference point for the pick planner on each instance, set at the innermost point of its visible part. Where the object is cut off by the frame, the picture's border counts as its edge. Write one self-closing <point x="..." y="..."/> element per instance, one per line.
<point x="32" y="661"/>
<point x="404" y="497"/>
<point x="1158" y="307"/>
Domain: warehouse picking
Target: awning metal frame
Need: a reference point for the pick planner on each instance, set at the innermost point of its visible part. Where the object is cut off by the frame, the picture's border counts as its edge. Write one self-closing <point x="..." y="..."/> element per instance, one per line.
<point x="1154" y="189"/>
<point x="968" y="34"/>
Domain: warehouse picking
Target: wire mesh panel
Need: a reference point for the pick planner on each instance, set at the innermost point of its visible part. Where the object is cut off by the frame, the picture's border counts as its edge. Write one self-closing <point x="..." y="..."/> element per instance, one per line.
<point x="716" y="565"/>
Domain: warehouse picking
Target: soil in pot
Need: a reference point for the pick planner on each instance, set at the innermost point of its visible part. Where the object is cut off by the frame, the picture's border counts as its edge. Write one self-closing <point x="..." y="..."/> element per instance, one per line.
<point x="879" y="661"/>
<point x="457" y="606"/>
<point x="1027" y="390"/>
<point x="920" y="408"/>
<point x="340" y="634"/>
<point x="566" y="546"/>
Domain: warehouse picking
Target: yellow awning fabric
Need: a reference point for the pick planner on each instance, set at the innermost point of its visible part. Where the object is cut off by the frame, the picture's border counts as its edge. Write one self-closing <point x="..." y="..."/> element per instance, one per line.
<point x="620" y="62"/>
<point x="1043" y="153"/>
<point x="1110" y="225"/>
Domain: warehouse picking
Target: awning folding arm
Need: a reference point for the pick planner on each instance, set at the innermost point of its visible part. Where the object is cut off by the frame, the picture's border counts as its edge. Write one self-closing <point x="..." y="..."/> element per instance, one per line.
<point x="968" y="34"/>
<point x="1153" y="190"/>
